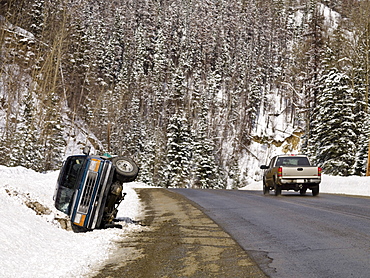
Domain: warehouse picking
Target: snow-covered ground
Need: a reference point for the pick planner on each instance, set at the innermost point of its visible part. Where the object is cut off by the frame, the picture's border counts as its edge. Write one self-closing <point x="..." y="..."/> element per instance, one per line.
<point x="34" y="245"/>
<point x="352" y="185"/>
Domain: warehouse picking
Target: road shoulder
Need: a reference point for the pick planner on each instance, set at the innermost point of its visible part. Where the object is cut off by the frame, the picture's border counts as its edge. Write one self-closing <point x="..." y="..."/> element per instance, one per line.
<point x="181" y="242"/>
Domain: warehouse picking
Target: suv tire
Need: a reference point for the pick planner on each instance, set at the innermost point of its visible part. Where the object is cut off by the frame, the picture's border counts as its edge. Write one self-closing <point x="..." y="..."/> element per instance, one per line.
<point x="126" y="169"/>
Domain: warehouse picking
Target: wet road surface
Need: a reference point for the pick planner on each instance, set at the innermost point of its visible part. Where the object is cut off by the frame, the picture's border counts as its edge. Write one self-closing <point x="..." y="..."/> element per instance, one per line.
<point x="292" y="235"/>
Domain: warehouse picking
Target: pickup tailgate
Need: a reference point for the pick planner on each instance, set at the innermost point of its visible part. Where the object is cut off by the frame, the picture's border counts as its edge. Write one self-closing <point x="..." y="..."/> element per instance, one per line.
<point x="300" y="172"/>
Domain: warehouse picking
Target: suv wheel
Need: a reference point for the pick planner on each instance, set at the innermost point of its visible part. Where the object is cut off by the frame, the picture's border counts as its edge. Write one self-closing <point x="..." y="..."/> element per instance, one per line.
<point x="126" y="169"/>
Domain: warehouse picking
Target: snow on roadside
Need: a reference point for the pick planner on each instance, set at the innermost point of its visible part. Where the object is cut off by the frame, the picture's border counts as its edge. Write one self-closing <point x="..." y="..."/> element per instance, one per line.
<point x="34" y="245"/>
<point x="352" y="185"/>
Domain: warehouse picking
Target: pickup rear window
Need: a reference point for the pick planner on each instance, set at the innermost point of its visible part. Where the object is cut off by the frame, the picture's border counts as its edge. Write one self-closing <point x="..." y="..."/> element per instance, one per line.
<point x="292" y="161"/>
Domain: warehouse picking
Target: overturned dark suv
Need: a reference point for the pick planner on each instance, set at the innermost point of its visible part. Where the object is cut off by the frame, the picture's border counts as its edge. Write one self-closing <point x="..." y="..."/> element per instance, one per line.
<point x="89" y="189"/>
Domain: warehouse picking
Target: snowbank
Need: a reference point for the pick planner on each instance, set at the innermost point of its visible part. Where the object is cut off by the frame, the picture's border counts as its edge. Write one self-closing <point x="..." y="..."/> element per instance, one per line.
<point x="33" y="245"/>
<point x="352" y="185"/>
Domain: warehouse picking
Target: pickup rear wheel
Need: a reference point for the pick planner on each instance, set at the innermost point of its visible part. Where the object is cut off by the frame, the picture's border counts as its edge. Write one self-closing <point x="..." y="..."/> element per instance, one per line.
<point x="126" y="169"/>
<point x="277" y="190"/>
<point x="315" y="191"/>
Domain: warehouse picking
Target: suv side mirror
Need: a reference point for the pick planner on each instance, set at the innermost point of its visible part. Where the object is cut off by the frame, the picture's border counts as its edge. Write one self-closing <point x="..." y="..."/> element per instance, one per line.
<point x="264" y="167"/>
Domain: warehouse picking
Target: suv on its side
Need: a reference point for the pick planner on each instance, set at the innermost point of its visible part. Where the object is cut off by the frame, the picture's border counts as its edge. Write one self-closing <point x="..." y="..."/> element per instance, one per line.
<point x="89" y="188"/>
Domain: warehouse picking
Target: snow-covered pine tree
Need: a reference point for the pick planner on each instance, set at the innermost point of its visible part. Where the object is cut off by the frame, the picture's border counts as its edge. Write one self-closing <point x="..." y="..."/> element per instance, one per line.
<point x="360" y="76"/>
<point x="52" y="135"/>
<point x="338" y="145"/>
<point x="148" y="162"/>
<point x="333" y="135"/>
<point x="234" y="178"/>
<point x="76" y="68"/>
<point x="160" y="71"/>
<point x="26" y="147"/>
<point x="205" y="172"/>
<point x="362" y="120"/>
<point x="255" y="98"/>
<point x="179" y="149"/>
<point x="311" y="63"/>
<point x="37" y="17"/>
<point x="96" y="81"/>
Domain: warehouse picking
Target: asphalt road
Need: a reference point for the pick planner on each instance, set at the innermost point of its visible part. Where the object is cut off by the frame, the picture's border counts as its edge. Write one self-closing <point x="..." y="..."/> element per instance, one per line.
<point x="292" y="235"/>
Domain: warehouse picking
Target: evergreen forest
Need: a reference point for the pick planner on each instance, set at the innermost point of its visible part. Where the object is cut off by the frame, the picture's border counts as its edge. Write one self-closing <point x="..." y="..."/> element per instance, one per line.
<point x="186" y="88"/>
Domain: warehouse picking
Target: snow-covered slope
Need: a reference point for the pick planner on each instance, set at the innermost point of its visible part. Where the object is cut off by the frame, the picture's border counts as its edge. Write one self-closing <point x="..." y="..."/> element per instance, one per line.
<point x="33" y="245"/>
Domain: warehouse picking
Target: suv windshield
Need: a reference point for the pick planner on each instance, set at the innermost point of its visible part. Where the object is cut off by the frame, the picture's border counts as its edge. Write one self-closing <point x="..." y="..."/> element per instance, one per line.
<point x="68" y="182"/>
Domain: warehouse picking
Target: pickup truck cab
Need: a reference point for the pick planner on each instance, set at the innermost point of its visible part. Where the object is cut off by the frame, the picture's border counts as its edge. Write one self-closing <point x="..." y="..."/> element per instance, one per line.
<point x="291" y="172"/>
<point x="89" y="189"/>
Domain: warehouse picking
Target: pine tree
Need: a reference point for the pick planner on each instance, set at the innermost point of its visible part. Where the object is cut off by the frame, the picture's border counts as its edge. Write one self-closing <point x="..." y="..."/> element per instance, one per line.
<point x="234" y="174"/>
<point x="178" y="152"/>
<point x="362" y="143"/>
<point x="148" y="163"/>
<point x="4" y="151"/>
<point x="359" y="55"/>
<point x="52" y="136"/>
<point x="205" y="173"/>
<point x="27" y="150"/>
<point x="334" y="130"/>
<point x="313" y="49"/>
<point x="37" y="15"/>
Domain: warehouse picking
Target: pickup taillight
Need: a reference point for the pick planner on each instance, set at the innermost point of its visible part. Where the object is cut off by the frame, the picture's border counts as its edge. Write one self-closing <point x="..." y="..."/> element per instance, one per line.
<point x="319" y="171"/>
<point x="280" y="172"/>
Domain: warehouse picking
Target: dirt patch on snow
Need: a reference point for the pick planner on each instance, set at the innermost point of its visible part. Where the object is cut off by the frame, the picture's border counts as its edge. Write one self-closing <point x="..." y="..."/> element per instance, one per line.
<point x="40" y="209"/>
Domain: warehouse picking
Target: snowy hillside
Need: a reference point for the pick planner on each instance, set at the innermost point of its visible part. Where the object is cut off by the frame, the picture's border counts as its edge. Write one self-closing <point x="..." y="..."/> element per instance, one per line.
<point x="200" y="93"/>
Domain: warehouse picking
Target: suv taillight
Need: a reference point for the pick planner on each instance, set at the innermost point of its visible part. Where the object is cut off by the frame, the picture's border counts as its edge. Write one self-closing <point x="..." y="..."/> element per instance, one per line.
<point x="319" y="171"/>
